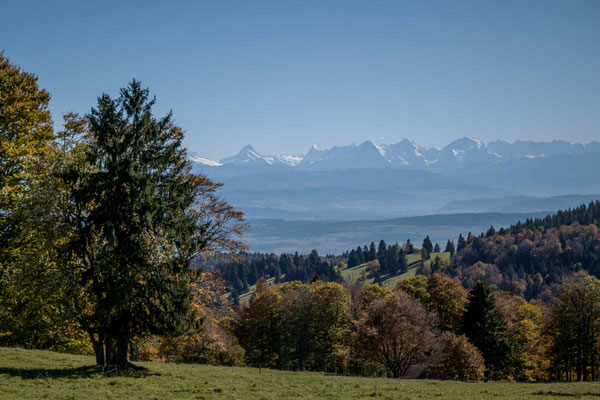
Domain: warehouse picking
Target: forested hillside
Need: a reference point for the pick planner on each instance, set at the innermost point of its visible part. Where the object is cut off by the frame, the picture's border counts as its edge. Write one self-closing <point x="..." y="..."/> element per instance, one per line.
<point x="528" y="257"/>
<point x="378" y="261"/>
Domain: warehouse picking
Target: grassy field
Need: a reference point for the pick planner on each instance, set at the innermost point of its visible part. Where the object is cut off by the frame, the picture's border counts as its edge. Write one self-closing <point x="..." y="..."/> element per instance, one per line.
<point x="34" y="374"/>
<point x="354" y="274"/>
<point x="414" y="261"/>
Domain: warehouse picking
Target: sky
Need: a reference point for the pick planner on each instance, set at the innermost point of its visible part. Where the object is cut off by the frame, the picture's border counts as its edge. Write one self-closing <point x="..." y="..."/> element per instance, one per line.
<point x="282" y="75"/>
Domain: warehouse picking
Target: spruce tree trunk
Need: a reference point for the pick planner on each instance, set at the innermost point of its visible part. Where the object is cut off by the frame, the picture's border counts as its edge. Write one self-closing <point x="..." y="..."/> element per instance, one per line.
<point x="116" y="351"/>
<point x="111" y="350"/>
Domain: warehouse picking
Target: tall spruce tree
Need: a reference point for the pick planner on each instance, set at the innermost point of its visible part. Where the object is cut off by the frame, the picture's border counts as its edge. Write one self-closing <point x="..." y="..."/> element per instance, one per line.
<point x="146" y="216"/>
<point x="372" y="252"/>
<point x="382" y="255"/>
<point x="485" y="327"/>
<point x="360" y="255"/>
<point x="461" y="243"/>
<point x="427" y="245"/>
<point x="450" y="247"/>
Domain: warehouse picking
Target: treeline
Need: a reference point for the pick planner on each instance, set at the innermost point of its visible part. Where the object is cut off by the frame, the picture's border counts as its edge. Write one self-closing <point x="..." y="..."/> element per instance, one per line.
<point x="247" y="268"/>
<point x="391" y="259"/>
<point x="424" y="327"/>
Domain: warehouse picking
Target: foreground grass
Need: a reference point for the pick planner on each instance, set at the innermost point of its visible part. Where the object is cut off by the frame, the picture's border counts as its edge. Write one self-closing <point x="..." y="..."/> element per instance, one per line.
<point x="32" y="374"/>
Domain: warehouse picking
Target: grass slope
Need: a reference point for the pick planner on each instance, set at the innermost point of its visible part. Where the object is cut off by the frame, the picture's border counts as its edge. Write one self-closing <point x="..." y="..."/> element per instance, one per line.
<point x="355" y="274"/>
<point x="36" y="374"/>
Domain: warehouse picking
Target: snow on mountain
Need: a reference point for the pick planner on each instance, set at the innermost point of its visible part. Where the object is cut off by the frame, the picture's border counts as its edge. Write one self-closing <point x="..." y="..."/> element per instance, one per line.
<point x="315" y="153"/>
<point x="524" y="148"/>
<point x="204" y="161"/>
<point x="365" y="155"/>
<point x="291" y="160"/>
<point x="249" y="156"/>
<point x="405" y="153"/>
<point x="461" y="153"/>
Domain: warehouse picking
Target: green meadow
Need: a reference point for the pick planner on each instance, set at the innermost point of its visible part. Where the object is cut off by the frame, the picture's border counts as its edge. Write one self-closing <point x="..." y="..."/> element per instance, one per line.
<point x="36" y="374"/>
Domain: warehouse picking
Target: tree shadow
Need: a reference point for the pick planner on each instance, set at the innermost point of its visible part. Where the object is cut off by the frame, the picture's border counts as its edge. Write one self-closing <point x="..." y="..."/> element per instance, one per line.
<point x="80" y="372"/>
<point x="562" y="394"/>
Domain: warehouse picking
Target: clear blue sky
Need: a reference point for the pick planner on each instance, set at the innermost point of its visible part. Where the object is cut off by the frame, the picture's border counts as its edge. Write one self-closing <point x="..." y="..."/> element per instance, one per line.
<point x="282" y="75"/>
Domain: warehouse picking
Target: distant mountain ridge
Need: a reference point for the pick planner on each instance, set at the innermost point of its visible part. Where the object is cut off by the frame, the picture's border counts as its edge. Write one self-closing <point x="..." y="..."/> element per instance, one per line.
<point x="459" y="154"/>
<point x="377" y="182"/>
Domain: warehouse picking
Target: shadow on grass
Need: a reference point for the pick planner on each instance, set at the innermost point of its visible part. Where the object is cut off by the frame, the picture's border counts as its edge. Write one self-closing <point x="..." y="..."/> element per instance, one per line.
<point x="561" y="394"/>
<point x="81" y="372"/>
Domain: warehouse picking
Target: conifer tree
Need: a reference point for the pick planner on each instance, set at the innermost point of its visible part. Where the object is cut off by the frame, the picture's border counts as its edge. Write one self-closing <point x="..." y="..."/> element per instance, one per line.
<point x="145" y="217"/>
<point x="410" y="248"/>
<point x="372" y="252"/>
<point x="461" y="243"/>
<point x="427" y="244"/>
<point x="382" y="255"/>
<point x="450" y="247"/>
<point x="353" y="260"/>
<point x="485" y="327"/>
<point x="360" y="255"/>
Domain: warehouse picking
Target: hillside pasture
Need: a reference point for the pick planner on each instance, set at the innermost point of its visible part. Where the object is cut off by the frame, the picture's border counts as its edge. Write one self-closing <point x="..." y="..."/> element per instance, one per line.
<point x="36" y="374"/>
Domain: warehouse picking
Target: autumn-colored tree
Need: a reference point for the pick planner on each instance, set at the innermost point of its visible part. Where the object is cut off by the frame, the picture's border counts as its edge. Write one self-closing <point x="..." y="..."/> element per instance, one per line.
<point x="258" y="326"/>
<point x="29" y="313"/>
<point x="457" y="358"/>
<point x="25" y="134"/>
<point x="329" y="322"/>
<point x="416" y="287"/>
<point x="525" y="324"/>
<point x="398" y="332"/>
<point x="373" y="267"/>
<point x="574" y="326"/>
<point x="294" y="326"/>
<point x="209" y="341"/>
<point x="371" y="293"/>
<point x="448" y="299"/>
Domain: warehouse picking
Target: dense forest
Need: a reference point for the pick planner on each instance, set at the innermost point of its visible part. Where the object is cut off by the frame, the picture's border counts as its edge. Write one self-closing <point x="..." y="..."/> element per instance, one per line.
<point x="527" y="258"/>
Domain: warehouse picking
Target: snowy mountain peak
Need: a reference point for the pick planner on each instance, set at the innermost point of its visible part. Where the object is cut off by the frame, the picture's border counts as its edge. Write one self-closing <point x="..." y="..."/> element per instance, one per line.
<point x="248" y="156"/>
<point x="467" y="142"/>
<point x="247" y="149"/>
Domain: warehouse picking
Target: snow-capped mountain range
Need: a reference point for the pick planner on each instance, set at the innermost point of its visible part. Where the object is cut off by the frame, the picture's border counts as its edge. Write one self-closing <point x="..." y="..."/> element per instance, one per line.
<point x="467" y="151"/>
<point x="387" y="181"/>
<point x="368" y="182"/>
